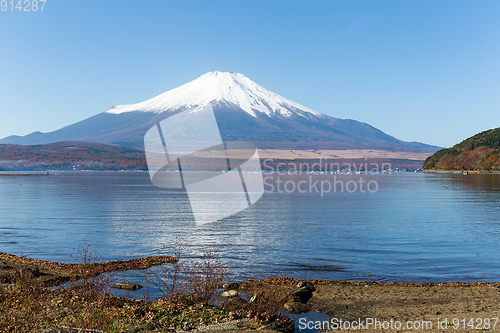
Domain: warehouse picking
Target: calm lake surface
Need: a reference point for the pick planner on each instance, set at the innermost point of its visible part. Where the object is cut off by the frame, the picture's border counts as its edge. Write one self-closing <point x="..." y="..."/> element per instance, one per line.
<point x="415" y="227"/>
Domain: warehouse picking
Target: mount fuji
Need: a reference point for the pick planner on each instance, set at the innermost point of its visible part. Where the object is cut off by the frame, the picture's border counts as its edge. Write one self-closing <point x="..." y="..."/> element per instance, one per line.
<point x="243" y="109"/>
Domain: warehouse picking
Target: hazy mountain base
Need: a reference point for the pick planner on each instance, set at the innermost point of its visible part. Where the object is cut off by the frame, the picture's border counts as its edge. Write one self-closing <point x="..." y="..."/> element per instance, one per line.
<point x="70" y="156"/>
<point x="98" y="157"/>
<point x="480" y="152"/>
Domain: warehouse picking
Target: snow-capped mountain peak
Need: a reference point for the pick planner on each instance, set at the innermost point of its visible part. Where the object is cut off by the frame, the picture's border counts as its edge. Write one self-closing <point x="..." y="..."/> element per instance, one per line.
<point x="244" y="111"/>
<point x="220" y="87"/>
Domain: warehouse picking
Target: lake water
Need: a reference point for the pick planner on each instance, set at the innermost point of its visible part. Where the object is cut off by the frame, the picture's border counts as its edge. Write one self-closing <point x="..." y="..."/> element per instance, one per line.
<point x="415" y="227"/>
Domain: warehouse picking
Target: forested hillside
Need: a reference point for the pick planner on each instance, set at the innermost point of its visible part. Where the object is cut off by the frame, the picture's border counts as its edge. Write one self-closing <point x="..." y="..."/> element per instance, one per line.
<point x="480" y="152"/>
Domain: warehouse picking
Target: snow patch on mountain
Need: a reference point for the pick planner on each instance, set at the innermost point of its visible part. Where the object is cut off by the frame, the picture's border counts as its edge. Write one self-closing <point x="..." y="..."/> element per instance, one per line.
<point x="224" y="87"/>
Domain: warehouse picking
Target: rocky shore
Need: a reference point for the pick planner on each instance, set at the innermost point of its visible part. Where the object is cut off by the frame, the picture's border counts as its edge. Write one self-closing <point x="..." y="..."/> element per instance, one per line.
<point x="247" y="306"/>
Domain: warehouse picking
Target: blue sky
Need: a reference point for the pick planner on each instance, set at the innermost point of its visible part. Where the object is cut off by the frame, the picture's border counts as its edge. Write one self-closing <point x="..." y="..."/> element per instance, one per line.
<point x="425" y="71"/>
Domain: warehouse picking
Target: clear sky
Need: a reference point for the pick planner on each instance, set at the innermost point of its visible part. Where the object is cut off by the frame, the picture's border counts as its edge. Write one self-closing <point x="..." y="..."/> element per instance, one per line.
<point x="425" y="71"/>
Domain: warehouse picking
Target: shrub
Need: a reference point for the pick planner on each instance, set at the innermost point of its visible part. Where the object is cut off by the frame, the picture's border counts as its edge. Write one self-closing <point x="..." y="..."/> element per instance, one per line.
<point x="200" y="277"/>
<point x="168" y="278"/>
<point x="205" y="275"/>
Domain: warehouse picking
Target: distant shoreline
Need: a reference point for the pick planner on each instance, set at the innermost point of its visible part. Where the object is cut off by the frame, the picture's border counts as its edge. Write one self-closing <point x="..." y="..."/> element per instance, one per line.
<point x="475" y="172"/>
<point x="23" y="174"/>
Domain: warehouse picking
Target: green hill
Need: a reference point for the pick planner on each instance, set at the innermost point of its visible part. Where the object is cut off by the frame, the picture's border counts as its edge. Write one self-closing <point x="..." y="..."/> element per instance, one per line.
<point x="480" y="152"/>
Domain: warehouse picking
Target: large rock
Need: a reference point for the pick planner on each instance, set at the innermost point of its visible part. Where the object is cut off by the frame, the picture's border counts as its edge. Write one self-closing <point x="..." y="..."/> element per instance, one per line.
<point x="303" y="294"/>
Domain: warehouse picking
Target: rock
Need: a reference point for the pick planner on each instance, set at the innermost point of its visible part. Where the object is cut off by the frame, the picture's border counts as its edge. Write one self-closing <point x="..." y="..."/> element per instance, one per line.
<point x="230" y="293"/>
<point x="310" y="288"/>
<point x="126" y="286"/>
<point x="305" y="284"/>
<point x="295" y="307"/>
<point x="302" y="295"/>
<point x="230" y="286"/>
